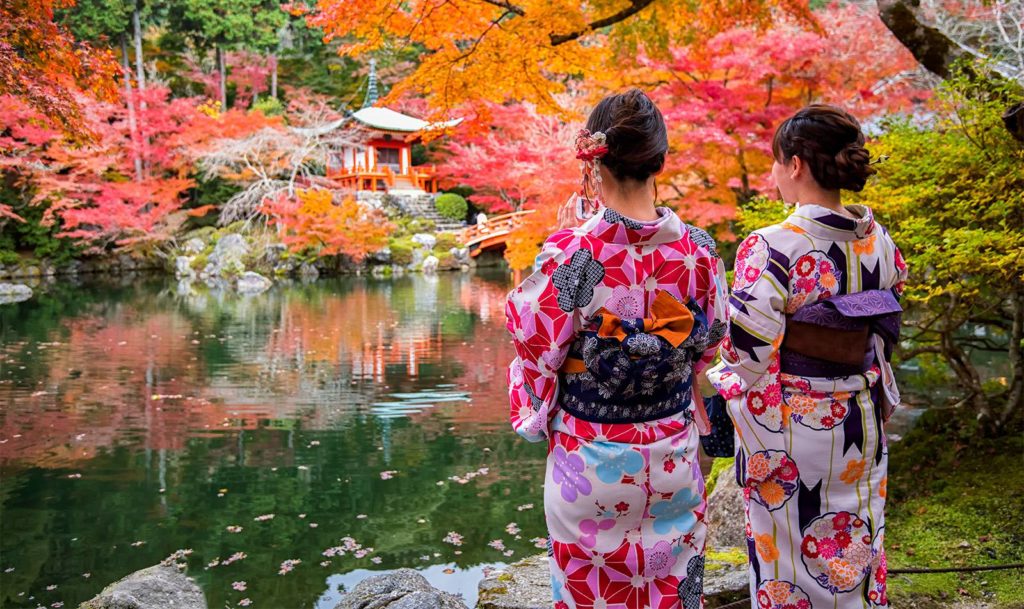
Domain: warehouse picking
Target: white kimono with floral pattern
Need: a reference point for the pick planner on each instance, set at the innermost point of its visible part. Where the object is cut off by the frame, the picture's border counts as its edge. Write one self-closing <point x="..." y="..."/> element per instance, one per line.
<point x="811" y="451"/>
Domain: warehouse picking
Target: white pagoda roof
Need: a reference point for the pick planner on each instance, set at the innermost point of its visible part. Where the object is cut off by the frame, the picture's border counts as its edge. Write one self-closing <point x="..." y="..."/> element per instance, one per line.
<point x="389" y="120"/>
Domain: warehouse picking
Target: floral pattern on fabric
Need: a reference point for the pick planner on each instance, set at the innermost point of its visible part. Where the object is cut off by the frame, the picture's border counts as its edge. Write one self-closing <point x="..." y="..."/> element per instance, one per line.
<point x="751" y="261"/>
<point x="624" y="501"/>
<point x="831" y="428"/>
<point x="817" y="409"/>
<point x="776" y="594"/>
<point x="814" y="277"/>
<point x="772" y="477"/>
<point x="836" y="549"/>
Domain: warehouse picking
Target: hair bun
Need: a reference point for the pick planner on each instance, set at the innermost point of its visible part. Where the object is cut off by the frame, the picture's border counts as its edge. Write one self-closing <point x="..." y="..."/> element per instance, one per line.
<point x="635" y="132"/>
<point x="853" y="167"/>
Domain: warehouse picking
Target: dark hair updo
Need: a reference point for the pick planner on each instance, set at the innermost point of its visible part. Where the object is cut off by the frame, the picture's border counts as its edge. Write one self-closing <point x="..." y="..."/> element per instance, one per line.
<point x="636" y="136"/>
<point x="830" y="142"/>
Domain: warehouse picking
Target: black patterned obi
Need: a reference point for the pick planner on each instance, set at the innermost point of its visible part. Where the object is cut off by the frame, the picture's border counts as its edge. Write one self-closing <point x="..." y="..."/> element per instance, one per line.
<point x="636" y="370"/>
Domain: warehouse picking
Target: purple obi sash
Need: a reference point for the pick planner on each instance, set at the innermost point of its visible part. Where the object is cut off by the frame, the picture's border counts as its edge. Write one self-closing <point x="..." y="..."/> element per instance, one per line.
<point x="877" y="312"/>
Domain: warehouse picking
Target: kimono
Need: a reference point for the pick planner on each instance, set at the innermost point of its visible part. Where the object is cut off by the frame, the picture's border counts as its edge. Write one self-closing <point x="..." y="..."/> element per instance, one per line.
<point x="609" y="332"/>
<point x="811" y="450"/>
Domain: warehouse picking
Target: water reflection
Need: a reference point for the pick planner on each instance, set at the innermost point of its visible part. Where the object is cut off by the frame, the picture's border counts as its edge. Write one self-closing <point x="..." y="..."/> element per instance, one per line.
<point x="136" y="420"/>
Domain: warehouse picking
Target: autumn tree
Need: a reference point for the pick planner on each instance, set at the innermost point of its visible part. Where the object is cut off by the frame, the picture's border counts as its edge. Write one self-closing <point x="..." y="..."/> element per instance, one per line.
<point x="723" y="99"/>
<point x="276" y="160"/>
<point x="525" y="49"/>
<point x="42" y="63"/>
<point x="311" y="221"/>
<point x="523" y="161"/>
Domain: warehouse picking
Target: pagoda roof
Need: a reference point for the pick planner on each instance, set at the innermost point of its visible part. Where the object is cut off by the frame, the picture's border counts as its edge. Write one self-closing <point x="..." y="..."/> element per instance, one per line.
<point x="385" y="119"/>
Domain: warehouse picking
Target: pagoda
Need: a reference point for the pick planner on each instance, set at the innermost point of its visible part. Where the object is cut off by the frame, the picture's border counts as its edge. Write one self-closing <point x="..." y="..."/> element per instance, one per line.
<point x="383" y="162"/>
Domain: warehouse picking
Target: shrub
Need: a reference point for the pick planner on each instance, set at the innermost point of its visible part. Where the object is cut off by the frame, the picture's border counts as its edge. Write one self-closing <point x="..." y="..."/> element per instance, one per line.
<point x="452" y="206"/>
<point x="401" y="251"/>
<point x="446" y="241"/>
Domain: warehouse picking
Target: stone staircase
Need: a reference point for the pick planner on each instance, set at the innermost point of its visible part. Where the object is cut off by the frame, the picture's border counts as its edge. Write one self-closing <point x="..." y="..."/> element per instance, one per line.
<point x="418" y="205"/>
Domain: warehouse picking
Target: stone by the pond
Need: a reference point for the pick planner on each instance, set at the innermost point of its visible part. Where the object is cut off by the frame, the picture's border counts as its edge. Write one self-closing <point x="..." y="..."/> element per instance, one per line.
<point x="308" y="272"/>
<point x="399" y="589"/>
<point x="527" y="583"/>
<point x="425" y="240"/>
<point x="725" y="516"/>
<point x="158" y="587"/>
<point x="252" y="283"/>
<point x="183" y="267"/>
<point x="194" y="246"/>
<point x="14" y="292"/>
<point x="430" y="264"/>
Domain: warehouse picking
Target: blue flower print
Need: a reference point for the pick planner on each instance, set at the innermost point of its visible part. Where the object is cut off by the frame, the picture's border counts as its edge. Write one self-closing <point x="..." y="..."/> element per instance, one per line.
<point x="612" y="460"/>
<point x="676" y="513"/>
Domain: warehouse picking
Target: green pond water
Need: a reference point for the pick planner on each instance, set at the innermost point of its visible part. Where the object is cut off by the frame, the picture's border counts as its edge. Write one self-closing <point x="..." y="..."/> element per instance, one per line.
<point x="137" y="419"/>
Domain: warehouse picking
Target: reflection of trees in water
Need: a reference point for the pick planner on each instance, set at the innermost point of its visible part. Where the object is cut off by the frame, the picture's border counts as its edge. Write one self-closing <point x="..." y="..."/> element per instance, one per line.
<point x="315" y="352"/>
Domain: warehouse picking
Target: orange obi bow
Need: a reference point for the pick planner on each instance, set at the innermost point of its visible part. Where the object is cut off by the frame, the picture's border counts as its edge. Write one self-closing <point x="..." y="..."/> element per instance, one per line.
<point x="669" y="319"/>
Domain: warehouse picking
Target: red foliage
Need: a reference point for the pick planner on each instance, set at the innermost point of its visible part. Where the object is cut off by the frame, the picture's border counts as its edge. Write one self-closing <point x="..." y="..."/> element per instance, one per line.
<point x="41" y="63"/>
<point x="90" y="188"/>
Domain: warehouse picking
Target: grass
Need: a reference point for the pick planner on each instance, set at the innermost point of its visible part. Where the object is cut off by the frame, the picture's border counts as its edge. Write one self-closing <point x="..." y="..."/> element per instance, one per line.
<point x="955" y="500"/>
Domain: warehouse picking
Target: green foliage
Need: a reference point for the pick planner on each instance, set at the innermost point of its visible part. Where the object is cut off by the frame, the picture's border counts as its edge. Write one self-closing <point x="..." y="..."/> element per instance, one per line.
<point x="269" y="106"/>
<point x="757" y="213"/>
<point x="452" y="206"/>
<point x="951" y="195"/>
<point x="228" y="23"/>
<point x="95" y="20"/>
<point x="32" y="236"/>
<point x="401" y="250"/>
<point x="445" y="242"/>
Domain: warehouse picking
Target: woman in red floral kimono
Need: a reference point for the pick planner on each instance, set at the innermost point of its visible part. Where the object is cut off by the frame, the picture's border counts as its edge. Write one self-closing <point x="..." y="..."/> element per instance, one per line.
<point x="814" y="316"/>
<point x="609" y="332"/>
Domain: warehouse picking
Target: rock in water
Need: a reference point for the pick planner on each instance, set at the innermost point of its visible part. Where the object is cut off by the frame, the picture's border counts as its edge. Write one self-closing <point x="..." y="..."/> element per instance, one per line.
<point x="400" y="589"/>
<point x="14" y="292"/>
<point x="726" y="527"/>
<point x="159" y="587"/>
<point x="183" y="267"/>
<point x="430" y="264"/>
<point x="227" y="254"/>
<point x="308" y="272"/>
<point x="252" y="283"/>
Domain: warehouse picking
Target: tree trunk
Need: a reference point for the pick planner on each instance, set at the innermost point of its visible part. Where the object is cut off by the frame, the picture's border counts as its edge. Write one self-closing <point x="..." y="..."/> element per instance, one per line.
<point x="132" y="127"/>
<point x="137" y="25"/>
<point x="1015" y="397"/>
<point x="930" y="47"/>
<point x="273" y="75"/>
<point x="223" y="73"/>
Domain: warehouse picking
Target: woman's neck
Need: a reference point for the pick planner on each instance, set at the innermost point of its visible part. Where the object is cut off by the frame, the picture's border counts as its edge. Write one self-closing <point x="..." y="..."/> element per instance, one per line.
<point x="829" y="199"/>
<point x="635" y="203"/>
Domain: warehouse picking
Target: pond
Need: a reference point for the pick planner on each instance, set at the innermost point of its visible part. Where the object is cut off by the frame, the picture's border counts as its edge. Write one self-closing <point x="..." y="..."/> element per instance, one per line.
<point x="361" y="418"/>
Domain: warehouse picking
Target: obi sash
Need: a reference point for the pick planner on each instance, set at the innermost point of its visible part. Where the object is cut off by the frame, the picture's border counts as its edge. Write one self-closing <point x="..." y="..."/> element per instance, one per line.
<point x="635" y="370"/>
<point x="844" y="336"/>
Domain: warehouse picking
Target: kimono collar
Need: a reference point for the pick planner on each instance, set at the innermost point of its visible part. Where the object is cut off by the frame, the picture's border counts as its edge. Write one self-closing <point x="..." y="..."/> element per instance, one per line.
<point x="826" y="224"/>
<point x="612" y="227"/>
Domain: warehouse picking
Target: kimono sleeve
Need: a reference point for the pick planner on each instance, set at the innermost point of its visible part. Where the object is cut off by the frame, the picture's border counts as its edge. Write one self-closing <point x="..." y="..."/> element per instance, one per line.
<point x="542" y="333"/>
<point x="757" y="319"/>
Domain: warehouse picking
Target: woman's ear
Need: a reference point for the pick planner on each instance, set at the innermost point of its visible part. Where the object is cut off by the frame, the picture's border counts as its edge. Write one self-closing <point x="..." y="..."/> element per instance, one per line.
<point x="796" y="168"/>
